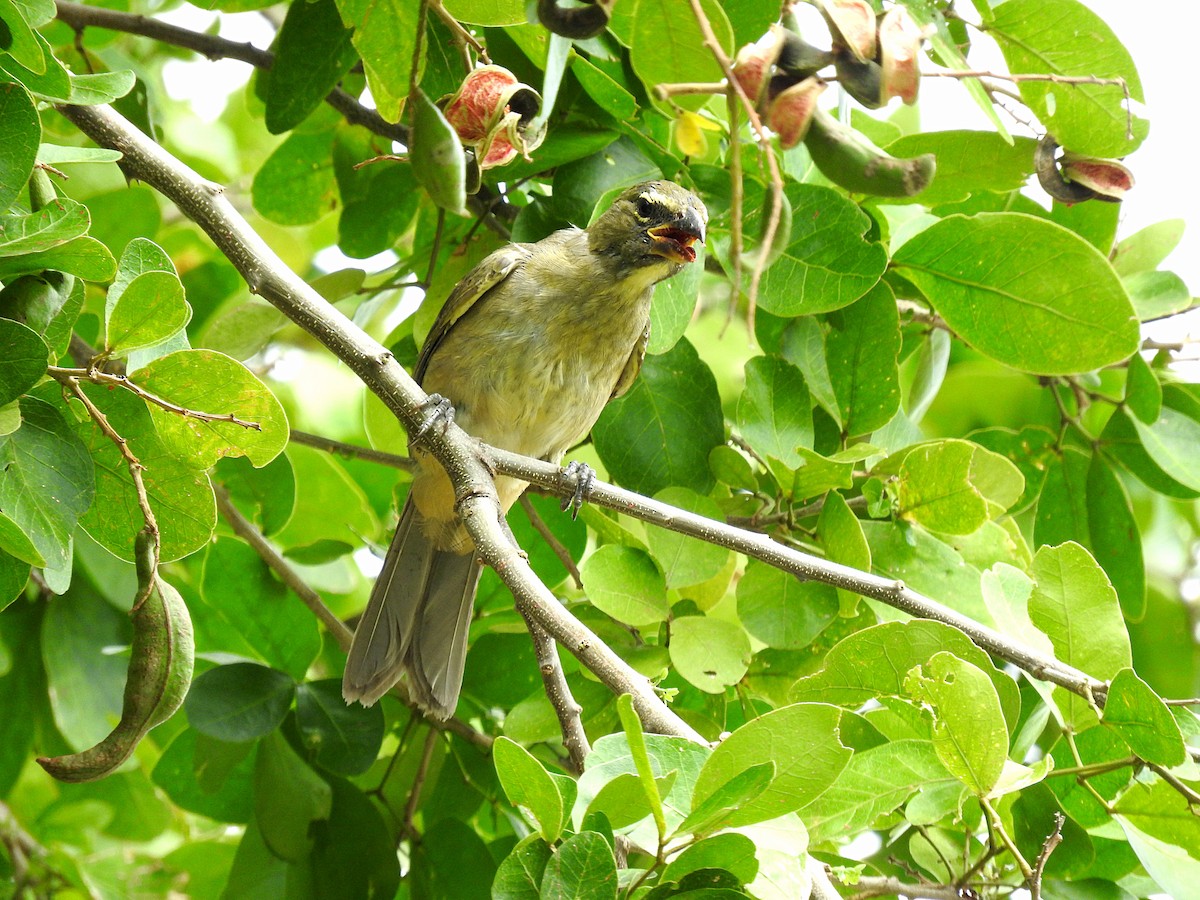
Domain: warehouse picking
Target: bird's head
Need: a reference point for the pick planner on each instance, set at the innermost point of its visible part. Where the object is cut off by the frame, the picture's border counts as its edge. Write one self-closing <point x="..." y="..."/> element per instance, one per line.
<point x="650" y="224"/>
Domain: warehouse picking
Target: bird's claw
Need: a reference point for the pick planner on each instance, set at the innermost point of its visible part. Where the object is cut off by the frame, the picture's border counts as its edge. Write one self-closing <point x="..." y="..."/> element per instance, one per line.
<point x="584" y="477"/>
<point x="438" y="411"/>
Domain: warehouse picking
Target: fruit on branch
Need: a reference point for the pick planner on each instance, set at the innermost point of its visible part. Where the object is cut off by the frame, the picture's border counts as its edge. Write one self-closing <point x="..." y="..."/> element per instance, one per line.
<point x="159" y="675"/>
<point x="848" y="159"/>
<point x="1075" y="178"/>
<point x="494" y="115"/>
<point x="791" y="111"/>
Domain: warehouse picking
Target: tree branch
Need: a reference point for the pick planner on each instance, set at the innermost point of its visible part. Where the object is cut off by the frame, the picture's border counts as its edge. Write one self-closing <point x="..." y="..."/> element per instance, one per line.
<point x="558" y="692"/>
<point x="477" y="503"/>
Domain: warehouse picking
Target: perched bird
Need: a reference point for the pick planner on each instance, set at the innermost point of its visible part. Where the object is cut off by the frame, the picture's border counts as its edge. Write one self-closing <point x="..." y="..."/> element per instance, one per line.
<point x="530" y="346"/>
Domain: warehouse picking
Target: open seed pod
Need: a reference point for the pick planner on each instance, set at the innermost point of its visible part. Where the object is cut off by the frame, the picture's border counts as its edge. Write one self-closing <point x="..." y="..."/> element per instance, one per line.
<point x="754" y="63"/>
<point x="1107" y="178"/>
<point x="862" y="80"/>
<point x="899" y="56"/>
<point x="492" y="112"/>
<point x="852" y="25"/>
<point x="791" y="111"/>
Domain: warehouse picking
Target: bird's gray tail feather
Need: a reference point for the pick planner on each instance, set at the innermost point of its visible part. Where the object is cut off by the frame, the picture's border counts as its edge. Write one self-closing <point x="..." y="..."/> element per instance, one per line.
<point x="416" y="622"/>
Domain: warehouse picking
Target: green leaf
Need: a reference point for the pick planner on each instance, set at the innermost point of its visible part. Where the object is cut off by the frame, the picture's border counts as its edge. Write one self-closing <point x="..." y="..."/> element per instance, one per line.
<point x="268" y="620"/>
<point x="673" y="305"/>
<point x="25" y="358"/>
<point x="60" y="155"/>
<point x="731" y="851"/>
<point x="625" y="583"/>
<point x="610" y="96"/>
<point x="17" y="545"/>
<point x="829" y="262"/>
<point x="684" y="560"/>
<point x="875" y="782"/>
<point x="1164" y="833"/>
<point x="1143" y="391"/>
<point x="782" y="610"/>
<point x="181" y="497"/>
<point x="666" y="45"/>
<point x="1115" y="539"/>
<point x="969" y="734"/>
<point x="720" y="806"/>
<point x="803" y="345"/>
<point x="1003" y="281"/>
<point x="322" y="483"/>
<point x="149" y="311"/>
<point x="342" y="738"/>
<point x="710" y="653"/>
<point x="437" y="156"/>
<point x="873" y="662"/>
<point x="802" y="742"/>
<point x="1064" y="37"/>
<point x="632" y="726"/>
<point x="101" y="87"/>
<point x="623" y="800"/>
<point x="1121" y="440"/>
<point x="312" y="53"/>
<point x="289" y="798"/>
<point x="52" y="225"/>
<point x="48" y="483"/>
<point x="210" y="382"/>
<point x="53" y="83"/>
<point x="48" y="303"/>
<point x="1143" y="721"/>
<point x="239" y="701"/>
<point x="1171" y="443"/>
<point x="1074" y="604"/>
<point x="488" y="12"/>
<point x="582" y="868"/>
<point x="385" y="37"/>
<point x="84" y="256"/>
<point x="1157" y="294"/>
<point x="968" y="162"/>
<point x="660" y="433"/>
<point x="209" y="777"/>
<point x="296" y="186"/>
<point x="1144" y="250"/>
<point x="861" y="350"/>
<point x="520" y="873"/>
<point x="774" y="413"/>
<point x="529" y="786"/>
<point x="955" y="486"/>
<point x="844" y="541"/>
<point x="20" y="40"/>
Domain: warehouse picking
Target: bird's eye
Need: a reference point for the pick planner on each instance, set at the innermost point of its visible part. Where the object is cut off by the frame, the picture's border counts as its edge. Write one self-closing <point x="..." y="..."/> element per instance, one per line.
<point x="645" y="209"/>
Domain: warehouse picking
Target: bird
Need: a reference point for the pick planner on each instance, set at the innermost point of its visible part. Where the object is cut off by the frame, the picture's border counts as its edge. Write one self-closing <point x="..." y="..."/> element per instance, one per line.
<point x="528" y="348"/>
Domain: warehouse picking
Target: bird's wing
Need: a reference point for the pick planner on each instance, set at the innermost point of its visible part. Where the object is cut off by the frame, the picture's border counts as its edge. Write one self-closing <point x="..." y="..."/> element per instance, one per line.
<point x="633" y="365"/>
<point x="475" y="284"/>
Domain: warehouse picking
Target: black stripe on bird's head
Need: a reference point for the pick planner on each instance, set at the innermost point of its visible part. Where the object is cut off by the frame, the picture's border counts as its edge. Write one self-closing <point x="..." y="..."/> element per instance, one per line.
<point x="651" y="223"/>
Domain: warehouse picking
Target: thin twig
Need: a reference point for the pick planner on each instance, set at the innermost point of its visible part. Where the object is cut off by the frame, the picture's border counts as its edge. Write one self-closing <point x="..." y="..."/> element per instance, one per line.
<point x="98" y="376"/>
<point x="889" y="887"/>
<point x="1188" y="793"/>
<point x="1052" y="841"/>
<point x="563" y="554"/>
<point x="558" y="692"/>
<point x="414" y="792"/>
<point x="352" y="451"/>
<point x="459" y="33"/>
<point x="994" y="822"/>
<point x="764" y="141"/>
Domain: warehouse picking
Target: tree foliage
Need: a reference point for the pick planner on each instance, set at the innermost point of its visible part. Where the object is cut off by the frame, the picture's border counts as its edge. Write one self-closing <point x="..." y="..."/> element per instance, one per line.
<point x="913" y="502"/>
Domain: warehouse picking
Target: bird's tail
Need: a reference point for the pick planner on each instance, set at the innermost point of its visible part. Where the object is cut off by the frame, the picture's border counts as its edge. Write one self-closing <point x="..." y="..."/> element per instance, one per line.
<point x="416" y="622"/>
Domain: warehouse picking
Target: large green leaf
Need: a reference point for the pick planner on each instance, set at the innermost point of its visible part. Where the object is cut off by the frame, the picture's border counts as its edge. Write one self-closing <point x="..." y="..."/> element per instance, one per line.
<point x="385" y="37"/>
<point x="1064" y="37"/>
<point x="25" y="358"/>
<point x="50" y="226"/>
<point x="955" y="486"/>
<point x="773" y="412"/>
<point x="295" y="186"/>
<point x="150" y="310"/>
<point x="660" y="433"/>
<point x="239" y="702"/>
<point x="802" y="742"/>
<point x="666" y="44"/>
<point x="710" y="653"/>
<point x="968" y="162"/>
<point x="49" y="480"/>
<point x="1005" y="281"/>
<point x="1074" y="604"/>
<point x="861" y="349"/>
<point x="312" y="52"/>
<point x="529" y="786"/>
<point x="625" y="583"/>
<point x="210" y="382"/>
<point x="1143" y="721"/>
<point x="781" y="610"/>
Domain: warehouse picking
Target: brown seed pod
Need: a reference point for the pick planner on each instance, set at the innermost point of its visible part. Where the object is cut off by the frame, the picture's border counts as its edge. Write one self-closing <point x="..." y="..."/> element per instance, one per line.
<point x="852" y="25"/>
<point x="899" y="55"/>
<point x="792" y="111"/>
<point x="1106" y="177"/>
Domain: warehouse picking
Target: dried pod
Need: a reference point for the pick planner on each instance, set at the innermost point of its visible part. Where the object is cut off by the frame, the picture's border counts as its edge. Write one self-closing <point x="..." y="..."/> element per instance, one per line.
<point x="792" y="111"/>
<point x="899" y="55"/>
<point x="1107" y="178"/>
<point x="852" y="25"/>
<point x="754" y="63"/>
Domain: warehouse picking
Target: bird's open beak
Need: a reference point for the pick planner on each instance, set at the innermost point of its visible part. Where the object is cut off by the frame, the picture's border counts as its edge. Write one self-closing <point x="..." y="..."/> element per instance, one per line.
<point x="674" y="240"/>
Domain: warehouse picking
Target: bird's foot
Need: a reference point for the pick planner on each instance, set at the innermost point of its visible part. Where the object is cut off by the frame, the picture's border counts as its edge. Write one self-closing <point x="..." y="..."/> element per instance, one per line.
<point x="438" y="413"/>
<point x="584" y="477"/>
